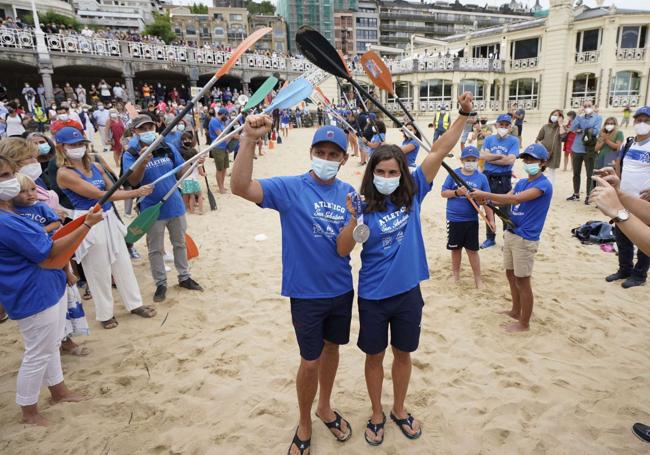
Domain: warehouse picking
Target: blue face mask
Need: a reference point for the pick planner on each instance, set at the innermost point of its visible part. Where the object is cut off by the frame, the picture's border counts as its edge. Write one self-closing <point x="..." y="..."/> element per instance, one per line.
<point x="385" y="185"/>
<point x="44" y="148"/>
<point x="324" y="170"/>
<point x="148" y="137"/>
<point x="532" y="168"/>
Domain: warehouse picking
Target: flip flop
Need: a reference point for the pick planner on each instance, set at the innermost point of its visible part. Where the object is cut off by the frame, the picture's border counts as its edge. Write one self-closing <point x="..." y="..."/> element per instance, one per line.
<point x="110" y="323"/>
<point x="375" y="427"/>
<point x="408" y="421"/>
<point x="301" y="445"/>
<point x="145" y="311"/>
<point x="4" y="318"/>
<point x="336" y="425"/>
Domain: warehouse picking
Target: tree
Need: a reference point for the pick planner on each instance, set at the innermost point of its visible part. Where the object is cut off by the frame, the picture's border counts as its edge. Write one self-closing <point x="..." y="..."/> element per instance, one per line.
<point x="161" y="27"/>
<point x="265" y="7"/>
<point x="198" y="8"/>
<point x="50" y="17"/>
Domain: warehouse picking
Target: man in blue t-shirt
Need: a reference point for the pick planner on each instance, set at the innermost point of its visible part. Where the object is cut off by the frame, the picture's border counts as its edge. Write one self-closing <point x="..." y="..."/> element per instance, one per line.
<point x="499" y="153"/>
<point x="172" y="214"/>
<point x="316" y="279"/>
<point x="220" y="153"/>
<point x="587" y="128"/>
<point x="530" y="201"/>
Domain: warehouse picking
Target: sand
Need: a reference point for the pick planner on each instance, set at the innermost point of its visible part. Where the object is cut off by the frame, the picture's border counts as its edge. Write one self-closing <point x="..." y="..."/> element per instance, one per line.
<point x="214" y="372"/>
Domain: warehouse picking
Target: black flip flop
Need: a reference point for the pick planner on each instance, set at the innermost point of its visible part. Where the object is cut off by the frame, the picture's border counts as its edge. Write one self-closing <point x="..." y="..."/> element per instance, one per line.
<point x="302" y="445"/>
<point x="408" y="421"/>
<point x="336" y="424"/>
<point x="375" y="427"/>
<point x="4" y="318"/>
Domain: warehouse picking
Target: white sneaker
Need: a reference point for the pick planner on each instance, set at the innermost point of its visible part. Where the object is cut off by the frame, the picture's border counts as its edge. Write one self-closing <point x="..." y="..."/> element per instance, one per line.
<point x="168" y="269"/>
<point x="168" y="257"/>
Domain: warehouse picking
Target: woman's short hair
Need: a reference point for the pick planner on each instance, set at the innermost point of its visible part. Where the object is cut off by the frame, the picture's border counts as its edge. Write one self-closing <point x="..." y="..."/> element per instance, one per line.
<point x="17" y="149"/>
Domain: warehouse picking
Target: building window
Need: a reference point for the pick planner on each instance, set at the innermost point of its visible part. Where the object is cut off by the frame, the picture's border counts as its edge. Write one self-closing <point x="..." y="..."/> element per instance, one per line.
<point x="625" y="83"/>
<point x="190" y="30"/>
<point x="403" y="90"/>
<point x="524" y="92"/>
<point x="632" y="36"/>
<point x="475" y="86"/>
<point x="526" y="48"/>
<point x="588" y="40"/>
<point x="236" y="17"/>
<point x="584" y="88"/>
<point x="435" y="90"/>
<point x="486" y="51"/>
<point x="219" y="32"/>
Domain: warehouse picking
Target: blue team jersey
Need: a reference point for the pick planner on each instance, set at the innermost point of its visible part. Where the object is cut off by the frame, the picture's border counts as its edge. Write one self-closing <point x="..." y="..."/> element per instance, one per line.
<point x="393" y="259"/>
<point x="96" y="179"/>
<point x="39" y="213"/>
<point x="459" y="208"/>
<point x="214" y="127"/>
<point x="312" y="215"/>
<point x="508" y="145"/>
<point x="411" y="156"/>
<point x="529" y="217"/>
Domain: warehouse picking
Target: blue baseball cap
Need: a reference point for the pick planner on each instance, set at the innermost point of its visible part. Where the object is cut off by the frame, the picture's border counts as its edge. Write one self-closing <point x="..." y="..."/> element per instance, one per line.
<point x="470" y="151"/>
<point x="69" y="135"/>
<point x="329" y="133"/>
<point x="644" y="110"/>
<point x="537" y="151"/>
<point x="504" y="118"/>
<point x="222" y="110"/>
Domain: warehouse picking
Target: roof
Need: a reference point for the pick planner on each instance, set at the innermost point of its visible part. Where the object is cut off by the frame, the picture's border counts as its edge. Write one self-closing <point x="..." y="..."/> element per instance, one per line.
<point x="590" y="13"/>
<point x="498" y="30"/>
<point x="455" y="6"/>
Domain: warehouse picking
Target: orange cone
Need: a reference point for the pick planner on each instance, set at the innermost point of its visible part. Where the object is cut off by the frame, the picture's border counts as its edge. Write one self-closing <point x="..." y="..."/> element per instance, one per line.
<point x="271" y="144"/>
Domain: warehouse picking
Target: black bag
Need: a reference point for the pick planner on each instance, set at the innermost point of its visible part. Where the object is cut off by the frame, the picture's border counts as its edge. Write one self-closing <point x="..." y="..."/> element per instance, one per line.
<point x="589" y="139"/>
<point x="279" y="139"/>
<point x="594" y="232"/>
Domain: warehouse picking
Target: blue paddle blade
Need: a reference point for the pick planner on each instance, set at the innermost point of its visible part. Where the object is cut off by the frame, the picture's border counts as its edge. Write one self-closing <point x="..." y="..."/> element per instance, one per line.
<point x="291" y="95"/>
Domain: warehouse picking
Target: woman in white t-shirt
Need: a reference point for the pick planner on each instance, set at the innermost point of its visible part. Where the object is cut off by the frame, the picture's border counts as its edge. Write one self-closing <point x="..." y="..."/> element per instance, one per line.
<point x="14" y="123"/>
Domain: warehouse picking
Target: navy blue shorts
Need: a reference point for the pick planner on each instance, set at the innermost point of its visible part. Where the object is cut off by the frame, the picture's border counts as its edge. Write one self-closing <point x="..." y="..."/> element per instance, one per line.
<point x="402" y="312"/>
<point x="317" y="320"/>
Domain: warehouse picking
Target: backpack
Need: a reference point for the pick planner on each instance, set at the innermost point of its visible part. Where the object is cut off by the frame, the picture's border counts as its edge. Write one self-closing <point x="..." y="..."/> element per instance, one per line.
<point x="626" y="148"/>
<point x="594" y="232"/>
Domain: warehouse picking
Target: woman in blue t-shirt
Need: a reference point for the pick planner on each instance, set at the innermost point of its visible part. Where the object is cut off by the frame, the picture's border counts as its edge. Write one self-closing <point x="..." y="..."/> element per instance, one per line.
<point x="34" y="296"/>
<point x="378" y="138"/>
<point x="411" y="147"/>
<point x="393" y="263"/>
<point x="103" y="253"/>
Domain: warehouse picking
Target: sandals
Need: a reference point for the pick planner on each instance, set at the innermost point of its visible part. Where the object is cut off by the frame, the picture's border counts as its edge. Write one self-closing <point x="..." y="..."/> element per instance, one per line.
<point x="301" y="445"/>
<point x="145" y="311"/>
<point x="408" y="421"/>
<point x="336" y="425"/>
<point x="375" y="427"/>
<point x="110" y="324"/>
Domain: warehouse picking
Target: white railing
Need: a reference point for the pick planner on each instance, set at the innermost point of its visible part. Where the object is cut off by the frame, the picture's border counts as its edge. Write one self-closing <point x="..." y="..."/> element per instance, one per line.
<point x="392" y="106"/>
<point x="77" y="44"/>
<point x="524" y="63"/>
<point x="587" y="57"/>
<point x="495" y="105"/>
<point x="578" y="101"/>
<point x="434" y="105"/>
<point x="633" y="53"/>
<point x="436" y="64"/>
<point x="526" y="103"/>
<point x="159" y="52"/>
<point x="624" y="100"/>
<point x="20" y="39"/>
<point x="400" y="66"/>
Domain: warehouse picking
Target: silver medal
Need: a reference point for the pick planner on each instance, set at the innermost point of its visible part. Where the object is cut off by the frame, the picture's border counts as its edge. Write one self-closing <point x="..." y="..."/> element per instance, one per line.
<point x="361" y="233"/>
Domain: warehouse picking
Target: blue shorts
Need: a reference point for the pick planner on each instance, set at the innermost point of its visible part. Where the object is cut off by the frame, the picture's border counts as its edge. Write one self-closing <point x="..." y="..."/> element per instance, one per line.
<point x="317" y="320"/>
<point x="403" y="312"/>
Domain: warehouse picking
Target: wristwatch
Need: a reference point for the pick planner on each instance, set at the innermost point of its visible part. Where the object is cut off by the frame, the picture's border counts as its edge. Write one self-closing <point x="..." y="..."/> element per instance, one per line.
<point x="466" y="114"/>
<point x="621" y="216"/>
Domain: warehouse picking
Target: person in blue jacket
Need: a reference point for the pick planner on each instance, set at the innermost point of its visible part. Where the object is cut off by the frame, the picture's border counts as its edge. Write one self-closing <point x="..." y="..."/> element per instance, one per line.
<point x="393" y="263"/>
<point x="34" y="296"/>
<point x="530" y="200"/>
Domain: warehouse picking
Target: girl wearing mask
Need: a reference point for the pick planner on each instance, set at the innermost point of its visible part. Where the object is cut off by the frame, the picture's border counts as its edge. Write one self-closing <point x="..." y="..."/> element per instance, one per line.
<point x="103" y="252"/>
<point x="550" y="136"/>
<point x="568" y="141"/>
<point x="608" y="144"/>
<point x="411" y="147"/>
<point x="393" y="263"/>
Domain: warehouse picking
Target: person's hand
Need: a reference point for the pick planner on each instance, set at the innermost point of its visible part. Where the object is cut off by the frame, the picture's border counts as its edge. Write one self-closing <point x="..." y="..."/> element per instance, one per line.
<point x="466" y="101"/>
<point x="479" y="196"/>
<point x="201" y="160"/>
<point x="61" y="214"/>
<point x="462" y="191"/>
<point x="609" y="175"/>
<point x="257" y="126"/>
<point x="605" y="197"/>
<point x="350" y="206"/>
<point x="93" y="217"/>
<point x="145" y="190"/>
<point x="71" y="277"/>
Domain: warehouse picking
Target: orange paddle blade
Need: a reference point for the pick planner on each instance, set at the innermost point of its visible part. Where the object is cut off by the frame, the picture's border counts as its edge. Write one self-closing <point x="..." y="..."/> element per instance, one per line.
<point x="192" y="249"/>
<point x="68" y="228"/>
<point x="377" y="71"/>
<point x="239" y="51"/>
<point x="320" y="92"/>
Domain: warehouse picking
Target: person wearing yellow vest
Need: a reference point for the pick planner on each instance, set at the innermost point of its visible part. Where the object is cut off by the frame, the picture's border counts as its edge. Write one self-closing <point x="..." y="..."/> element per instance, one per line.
<point x="40" y="117"/>
<point x="441" y="122"/>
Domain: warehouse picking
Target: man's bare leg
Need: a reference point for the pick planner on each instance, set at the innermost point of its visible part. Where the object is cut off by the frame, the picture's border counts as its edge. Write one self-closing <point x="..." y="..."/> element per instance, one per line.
<point x="475" y="262"/>
<point x="374" y="380"/>
<point x="306" y="387"/>
<point x="526" y="302"/>
<point x="329" y="363"/>
<point x="514" y="292"/>
<point x="221" y="181"/>
<point x="61" y="394"/>
<point x="31" y="416"/>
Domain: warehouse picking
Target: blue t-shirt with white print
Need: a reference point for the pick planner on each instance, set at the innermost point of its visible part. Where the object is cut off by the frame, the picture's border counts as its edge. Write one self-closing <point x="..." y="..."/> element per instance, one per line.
<point x="459" y="208"/>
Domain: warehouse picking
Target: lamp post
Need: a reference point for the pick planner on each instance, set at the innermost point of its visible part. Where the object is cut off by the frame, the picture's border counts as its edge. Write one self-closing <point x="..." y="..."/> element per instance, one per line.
<point x="43" y="57"/>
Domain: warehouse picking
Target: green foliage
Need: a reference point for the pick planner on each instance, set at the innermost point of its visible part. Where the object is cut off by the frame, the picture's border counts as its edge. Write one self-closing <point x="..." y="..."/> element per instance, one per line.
<point x="161" y="27"/>
<point x="198" y="8"/>
<point x="50" y="17"/>
<point x="265" y="7"/>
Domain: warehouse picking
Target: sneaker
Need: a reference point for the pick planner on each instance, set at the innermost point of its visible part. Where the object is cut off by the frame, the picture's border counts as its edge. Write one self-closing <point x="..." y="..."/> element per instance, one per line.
<point x="160" y="294"/>
<point x="167" y="268"/>
<point x="573" y="197"/>
<point x="616" y="276"/>
<point x="587" y="200"/>
<point x="134" y="253"/>
<point x="632" y="282"/>
<point x="488" y="243"/>
<point x="641" y="431"/>
<point x="190" y="284"/>
<point x="168" y="257"/>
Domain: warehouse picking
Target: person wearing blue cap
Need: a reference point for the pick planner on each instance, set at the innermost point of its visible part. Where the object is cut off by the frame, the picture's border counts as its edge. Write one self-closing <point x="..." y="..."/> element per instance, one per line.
<point x="316" y="279"/>
<point x="220" y="152"/>
<point x="393" y="263"/>
<point x="530" y="200"/>
<point x="462" y="218"/>
<point x="285" y="117"/>
<point x="586" y="127"/>
<point x="499" y="153"/>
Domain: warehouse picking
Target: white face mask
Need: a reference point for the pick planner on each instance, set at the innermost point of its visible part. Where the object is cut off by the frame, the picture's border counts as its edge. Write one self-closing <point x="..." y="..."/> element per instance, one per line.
<point x="642" y="128"/>
<point x="386" y="185"/>
<point x="63" y="117"/>
<point x="470" y="166"/>
<point x="324" y="169"/>
<point x="588" y="110"/>
<point x="76" y="153"/>
<point x="502" y="132"/>
<point x="609" y="128"/>
<point x="553" y="118"/>
<point x="9" y="189"/>
<point x="33" y="170"/>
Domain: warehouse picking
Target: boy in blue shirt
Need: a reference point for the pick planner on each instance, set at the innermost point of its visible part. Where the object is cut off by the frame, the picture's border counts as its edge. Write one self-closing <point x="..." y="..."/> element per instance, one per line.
<point x="462" y="218"/>
<point x="26" y="204"/>
<point x="499" y="153"/>
<point x="530" y="200"/>
<point x="220" y="153"/>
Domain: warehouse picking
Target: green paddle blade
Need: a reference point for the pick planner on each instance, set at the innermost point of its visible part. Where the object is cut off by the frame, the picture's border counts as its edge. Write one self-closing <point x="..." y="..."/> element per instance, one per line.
<point x="142" y="223"/>
<point x="261" y="93"/>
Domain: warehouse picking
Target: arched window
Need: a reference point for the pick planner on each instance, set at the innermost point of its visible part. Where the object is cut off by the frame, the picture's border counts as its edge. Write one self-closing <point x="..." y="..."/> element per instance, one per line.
<point x="524" y="92"/>
<point x="624" y="89"/>
<point x="404" y="91"/>
<point x="584" y="89"/>
<point x="434" y="93"/>
<point x="475" y="86"/>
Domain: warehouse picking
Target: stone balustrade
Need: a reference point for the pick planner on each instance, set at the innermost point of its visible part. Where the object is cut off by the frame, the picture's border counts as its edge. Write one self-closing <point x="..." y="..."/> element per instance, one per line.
<point x="524" y="63"/>
<point x="587" y="57"/>
<point x="633" y="53"/>
<point x="19" y="39"/>
<point x="624" y="100"/>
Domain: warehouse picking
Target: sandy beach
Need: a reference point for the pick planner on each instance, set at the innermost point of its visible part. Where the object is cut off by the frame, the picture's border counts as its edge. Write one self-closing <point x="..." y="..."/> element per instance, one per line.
<point x="214" y="372"/>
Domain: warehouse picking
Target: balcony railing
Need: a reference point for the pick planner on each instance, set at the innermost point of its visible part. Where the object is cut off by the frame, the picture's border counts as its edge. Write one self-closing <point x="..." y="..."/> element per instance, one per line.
<point x="435" y="105"/>
<point x="587" y="57"/>
<point x="526" y="103"/>
<point x="448" y="64"/>
<point x="524" y="63"/>
<point x="160" y="52"/>
<point x="20" y="39"/>
<point x="624" y="100"/>
<point x="480" y="64"/>
<point x="77" y="44"/>
<point x="633" y="53"/>
<point x="578" y="101"/>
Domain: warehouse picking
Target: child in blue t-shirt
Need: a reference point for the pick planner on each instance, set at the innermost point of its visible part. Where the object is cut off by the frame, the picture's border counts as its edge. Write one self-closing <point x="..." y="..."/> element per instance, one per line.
<point x="462" y="217"/>
<point x="378" y="138"/>
<point x="26" y="204"/>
